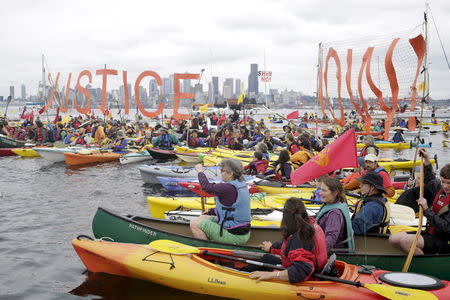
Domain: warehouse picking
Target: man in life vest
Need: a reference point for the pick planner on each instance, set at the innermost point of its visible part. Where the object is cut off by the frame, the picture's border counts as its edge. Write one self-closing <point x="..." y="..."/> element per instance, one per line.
<point x="371" y="164"/>
<point x="371" y="212"/>
<point x="165" y="140"/>
<point x="436" y="239"/>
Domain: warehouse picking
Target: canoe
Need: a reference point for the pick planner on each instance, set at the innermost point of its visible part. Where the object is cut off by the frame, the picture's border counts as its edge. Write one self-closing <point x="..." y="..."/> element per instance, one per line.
<point x="162" y="154"/>
<point x="194" y="157"/>
<point x="389" y="145"/>
<point x="373" y="250"/>
<point x="135" y="157"/>
<point x="25" y="152"/>
<point x="7" y="152"/>
<point x="7" y="142"/>
<point x="219" y="277"/>
<point x="55" y="154"/>
<point x="74" y="159"/>
<point x="149" y="173"/>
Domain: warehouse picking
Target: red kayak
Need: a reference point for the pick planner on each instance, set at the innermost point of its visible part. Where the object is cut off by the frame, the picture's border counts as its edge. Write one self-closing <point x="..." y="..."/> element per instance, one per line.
<point x="6" y="152"/>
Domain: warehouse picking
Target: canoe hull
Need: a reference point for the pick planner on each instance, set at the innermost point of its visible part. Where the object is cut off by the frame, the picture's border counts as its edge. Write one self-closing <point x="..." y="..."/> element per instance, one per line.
<point x="135" y="157"/>
<point x="149" y="174"/>
<point x="141" y="230"/>
<point x="25" y="152"/>
<point x="7" y="142"/>
<point x="7" y="152"/>
<point x="162" y="154"/>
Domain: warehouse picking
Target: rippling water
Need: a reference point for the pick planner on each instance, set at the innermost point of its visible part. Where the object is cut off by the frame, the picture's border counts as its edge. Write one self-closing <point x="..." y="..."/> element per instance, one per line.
<point x="44" y="206"/>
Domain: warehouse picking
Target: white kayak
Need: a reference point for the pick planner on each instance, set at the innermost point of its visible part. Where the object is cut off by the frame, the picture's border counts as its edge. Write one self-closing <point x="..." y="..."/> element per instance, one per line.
<point x="149" y="174"/>
<point x="135" y="157"/>
<point x="55" y="154"/>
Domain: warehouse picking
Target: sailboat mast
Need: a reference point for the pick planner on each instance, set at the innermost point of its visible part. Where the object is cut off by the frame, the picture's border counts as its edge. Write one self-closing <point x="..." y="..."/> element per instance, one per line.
<point x="426" y="80"/>
<point x="43" y="95"/>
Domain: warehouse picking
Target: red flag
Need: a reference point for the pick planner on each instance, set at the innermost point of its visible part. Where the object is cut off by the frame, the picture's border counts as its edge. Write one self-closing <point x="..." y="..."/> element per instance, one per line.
<point x="292" y="115"/>
<point x="339" y="154"/>
<point x="41" y="111"/>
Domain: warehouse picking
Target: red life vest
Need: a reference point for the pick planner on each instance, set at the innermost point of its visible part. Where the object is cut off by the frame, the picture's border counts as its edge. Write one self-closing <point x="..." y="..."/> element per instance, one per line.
<point x="441" y="205"/>
<point x="319" y="253"/>
<point x="39" y="137"/>
<point x="193" y="142"/>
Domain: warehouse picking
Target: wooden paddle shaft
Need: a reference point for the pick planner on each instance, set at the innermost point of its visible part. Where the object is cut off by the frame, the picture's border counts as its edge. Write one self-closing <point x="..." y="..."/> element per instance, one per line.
<point x="419" y="228"/>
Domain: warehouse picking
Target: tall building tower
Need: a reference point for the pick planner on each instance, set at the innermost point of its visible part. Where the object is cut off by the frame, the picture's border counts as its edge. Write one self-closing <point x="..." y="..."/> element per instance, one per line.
<point x="153" y="88"/>
<point x="215" y="87"/>
<point x="187" y="88"/>
<point x="253" y="88"/>
<point x="238" y="91"/>
<point x="11" y="92"/>
<point x="228" y="88"/>
<point x="23" y="92"/>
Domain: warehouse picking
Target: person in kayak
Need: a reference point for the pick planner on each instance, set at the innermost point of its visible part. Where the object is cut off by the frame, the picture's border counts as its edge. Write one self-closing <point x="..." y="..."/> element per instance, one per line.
<point x="165" y="140"/>
<point x="398" y="135"/>
<point x="369" y="148"/>
<point x="371" y="213"/>
<point x="334" y="217"/>
<point x="194" y="141"/>
<point x="436" y="239"/>
<point x="302" y="250"/>
<point x="371" y="165"/>
<point x="257" y="166"/>
<point x="229" y="221"/>
<point x="282" y="167"/>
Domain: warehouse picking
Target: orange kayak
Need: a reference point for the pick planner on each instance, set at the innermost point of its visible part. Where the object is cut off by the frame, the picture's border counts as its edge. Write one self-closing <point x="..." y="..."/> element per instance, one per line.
<point x="73" y="159"/>
<point x="203" y="272"/>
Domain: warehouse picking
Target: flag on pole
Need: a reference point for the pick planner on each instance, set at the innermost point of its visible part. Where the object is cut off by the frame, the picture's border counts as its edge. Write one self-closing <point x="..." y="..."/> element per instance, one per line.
<point x="293" y="115"/>
<point x="422" y="86"/>
<point x="204" y="108"/>
<point x="241" y="98"/>
<point x="339" y="154"/>
<point x="221" y="119"/>
<point x="55" y="121"/>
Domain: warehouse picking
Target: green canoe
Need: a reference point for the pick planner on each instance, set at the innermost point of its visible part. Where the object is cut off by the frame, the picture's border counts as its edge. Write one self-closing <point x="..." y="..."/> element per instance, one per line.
<point x="7" y="142"/>
<point x="373" y="249"/>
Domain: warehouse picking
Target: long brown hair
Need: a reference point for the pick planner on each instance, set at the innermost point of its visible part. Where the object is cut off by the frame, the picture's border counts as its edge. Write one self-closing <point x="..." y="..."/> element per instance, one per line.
<point x="335" y="186"/>
<point x="296" y="221"/>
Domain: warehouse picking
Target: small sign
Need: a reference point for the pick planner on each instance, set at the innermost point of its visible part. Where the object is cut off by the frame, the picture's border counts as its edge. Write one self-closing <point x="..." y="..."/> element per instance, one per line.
<point x="266" y="76"/>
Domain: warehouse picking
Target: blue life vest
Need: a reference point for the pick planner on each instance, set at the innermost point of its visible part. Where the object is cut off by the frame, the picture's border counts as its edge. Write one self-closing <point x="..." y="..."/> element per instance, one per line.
<point x="164" y="141"/>
<point x="238" y="214"/>
<point x="379" y="169"/>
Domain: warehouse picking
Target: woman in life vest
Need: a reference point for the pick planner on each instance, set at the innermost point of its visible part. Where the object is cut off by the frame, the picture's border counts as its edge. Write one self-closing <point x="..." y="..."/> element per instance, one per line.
<point x="258" y="166"/>
<point x="226" y="137"/>
<point x="212" y="140"/>
<point x="194" y="141"/>
<point x="283" y="167"/>
<point x="229" y="221"/>
<point x="334" y="217"/>
<point x="436" y="239"/>
<point x="302" y="250"/>
<point x="293" y="146"/>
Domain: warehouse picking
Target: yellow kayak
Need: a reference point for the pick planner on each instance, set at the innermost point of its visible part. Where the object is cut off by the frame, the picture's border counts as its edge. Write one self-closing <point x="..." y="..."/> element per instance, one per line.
<point x="159" y="205"/>
<point x="25" y="152"/>
<point x="399" y="165"/>
<point x="389" y="145"/>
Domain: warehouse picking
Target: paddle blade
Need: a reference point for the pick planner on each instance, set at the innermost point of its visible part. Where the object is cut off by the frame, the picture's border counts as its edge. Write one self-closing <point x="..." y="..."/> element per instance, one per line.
<point x="399" y="293"/>
<point x="172" y="247"/>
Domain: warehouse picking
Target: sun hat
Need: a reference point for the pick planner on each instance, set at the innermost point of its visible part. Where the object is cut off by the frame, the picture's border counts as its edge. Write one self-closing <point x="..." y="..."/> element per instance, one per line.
<point x="374" y="179"/>
<point x="371" y="157"/>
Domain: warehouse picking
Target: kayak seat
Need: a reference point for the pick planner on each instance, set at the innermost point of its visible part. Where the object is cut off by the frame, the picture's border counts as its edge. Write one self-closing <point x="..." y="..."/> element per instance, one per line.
<point x="330" y="267"/>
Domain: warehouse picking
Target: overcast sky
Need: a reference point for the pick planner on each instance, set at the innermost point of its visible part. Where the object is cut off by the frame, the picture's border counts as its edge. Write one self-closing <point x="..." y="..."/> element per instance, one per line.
<point x="222" y="37"/>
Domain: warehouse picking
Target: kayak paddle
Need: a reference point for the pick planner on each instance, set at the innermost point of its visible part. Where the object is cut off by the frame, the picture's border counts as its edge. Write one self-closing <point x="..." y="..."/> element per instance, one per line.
<point x="390" y="292"/>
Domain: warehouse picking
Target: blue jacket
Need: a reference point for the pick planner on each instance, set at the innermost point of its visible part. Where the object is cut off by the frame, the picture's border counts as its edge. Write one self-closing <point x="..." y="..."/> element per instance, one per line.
<point x="370" y="215"/>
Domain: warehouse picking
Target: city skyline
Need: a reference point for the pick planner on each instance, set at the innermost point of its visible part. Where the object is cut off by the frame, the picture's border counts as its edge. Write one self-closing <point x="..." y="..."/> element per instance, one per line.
<point x="279" y="36"/>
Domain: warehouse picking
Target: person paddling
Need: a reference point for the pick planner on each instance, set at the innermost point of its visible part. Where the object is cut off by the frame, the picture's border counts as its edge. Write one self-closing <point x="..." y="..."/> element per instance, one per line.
<point x="436" y="239"/>
<point x="229" y="221"/>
